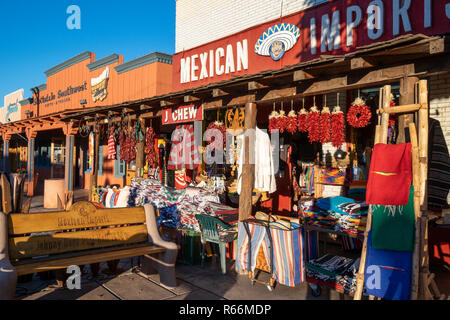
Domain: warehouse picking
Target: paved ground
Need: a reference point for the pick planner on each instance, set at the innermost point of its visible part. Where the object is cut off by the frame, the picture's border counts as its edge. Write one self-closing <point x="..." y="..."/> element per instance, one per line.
<point x="194" y="283"/>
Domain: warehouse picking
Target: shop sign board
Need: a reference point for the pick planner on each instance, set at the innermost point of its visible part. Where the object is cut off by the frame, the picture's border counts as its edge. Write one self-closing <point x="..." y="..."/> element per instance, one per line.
<point x="99" y="86"/>
<point x="331" y="28"/>
<point x="61" y="96"/>
<point x="182" y="114"/>
<point x="11" y="109"/>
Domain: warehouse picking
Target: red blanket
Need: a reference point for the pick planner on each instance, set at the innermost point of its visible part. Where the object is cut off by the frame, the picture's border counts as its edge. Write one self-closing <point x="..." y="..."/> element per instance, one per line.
<point x="390" y="175"/>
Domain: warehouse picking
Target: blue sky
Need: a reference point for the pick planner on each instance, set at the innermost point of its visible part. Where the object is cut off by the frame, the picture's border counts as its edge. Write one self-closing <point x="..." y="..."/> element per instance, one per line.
<point x="34" y="35"/>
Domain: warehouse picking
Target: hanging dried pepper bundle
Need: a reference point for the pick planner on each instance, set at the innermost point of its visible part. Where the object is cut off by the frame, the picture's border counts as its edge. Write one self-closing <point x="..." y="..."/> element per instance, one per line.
<point x="302" y="120"/>
<point x="359" y="114"/>
<point x="282" y="121"/>
<point x="273" y="121"/>
<point x="325" y="126"/>
<point x="337" y="127"/>
<point x="313" y="123"/>
<point x="150" y="148"/>
<point x="127" y="146"/>
<point x="218" y="126"/>
<point x="292" y="122"/>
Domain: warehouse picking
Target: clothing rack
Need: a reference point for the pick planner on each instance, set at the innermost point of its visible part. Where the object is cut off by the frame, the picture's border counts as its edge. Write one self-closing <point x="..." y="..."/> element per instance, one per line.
<point x="421" y="277"/>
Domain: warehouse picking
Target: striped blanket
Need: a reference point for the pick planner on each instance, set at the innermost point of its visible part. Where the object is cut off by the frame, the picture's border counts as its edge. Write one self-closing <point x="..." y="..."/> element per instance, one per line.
<point x="287" y="246"/>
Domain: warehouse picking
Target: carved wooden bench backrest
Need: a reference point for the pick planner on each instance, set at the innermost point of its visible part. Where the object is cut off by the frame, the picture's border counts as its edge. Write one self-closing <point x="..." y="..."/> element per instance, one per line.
<point x="83" y="227"/>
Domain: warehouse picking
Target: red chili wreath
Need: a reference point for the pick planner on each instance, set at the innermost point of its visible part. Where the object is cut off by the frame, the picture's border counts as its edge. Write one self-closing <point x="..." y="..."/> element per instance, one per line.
<point x="359" y="115"/>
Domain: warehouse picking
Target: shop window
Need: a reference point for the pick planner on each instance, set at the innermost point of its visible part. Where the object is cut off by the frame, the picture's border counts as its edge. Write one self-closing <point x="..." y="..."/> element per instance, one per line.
<point x="86" y="159"/>
<point x="119" y="166"/>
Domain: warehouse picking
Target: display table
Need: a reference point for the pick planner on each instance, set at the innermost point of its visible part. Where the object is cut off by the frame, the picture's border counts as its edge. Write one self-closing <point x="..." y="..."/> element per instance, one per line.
<point x="52" y="189"/>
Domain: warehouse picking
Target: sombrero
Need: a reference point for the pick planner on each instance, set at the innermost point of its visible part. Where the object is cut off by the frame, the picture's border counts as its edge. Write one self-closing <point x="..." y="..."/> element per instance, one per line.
<point x="286" y="33"/>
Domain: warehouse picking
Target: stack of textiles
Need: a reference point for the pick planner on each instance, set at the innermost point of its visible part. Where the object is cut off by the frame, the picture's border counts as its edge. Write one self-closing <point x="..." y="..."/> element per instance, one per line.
<point x="184" y="204"/>
<point x="337" y="214"/>
<point x="334" y="271"/>
<point x="357" y="190"/>
<point x="306" y="178"/>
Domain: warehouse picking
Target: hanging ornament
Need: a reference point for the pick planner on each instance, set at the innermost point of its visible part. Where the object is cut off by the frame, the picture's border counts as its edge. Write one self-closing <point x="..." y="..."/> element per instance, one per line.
<point x="273" y="120"/>
<point x="292" y="120"/>
<point x="313" y="123"/>
<point x="282" y="121"/>
<point x="337" y="127"/>
<point x="325" y="126"/>
<point x="218" y="126"/>
<point x="302" y="117"/>
<point x="359" y="115"/>
<point x="150" y="148"/>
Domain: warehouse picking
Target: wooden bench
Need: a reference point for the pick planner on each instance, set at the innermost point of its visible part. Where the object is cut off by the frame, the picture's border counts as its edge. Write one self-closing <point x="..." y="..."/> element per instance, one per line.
<point x="83" y="235"/>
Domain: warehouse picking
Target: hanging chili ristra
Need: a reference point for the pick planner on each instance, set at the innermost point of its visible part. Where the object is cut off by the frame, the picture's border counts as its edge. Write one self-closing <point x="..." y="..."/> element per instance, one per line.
<point x="312" y="121"/>
<point x="325" y="126"/>
<point x="337" y="127"/>
<point x="150" y="148"/>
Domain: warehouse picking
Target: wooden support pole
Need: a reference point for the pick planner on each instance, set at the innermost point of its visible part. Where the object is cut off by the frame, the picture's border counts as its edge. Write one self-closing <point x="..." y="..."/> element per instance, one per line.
<point x="362" y="264"/>
<point x="248" y="169"/>
<point x="140" y="152"/>
<point x="417" y="212"/>
<point x="424" y="260"/>
<point x="423" y="142"/>
<point x="94" y="176"/>
<point x="385" y="116"/>
<point x="402" y="109"/>
<point x="407" y="97"/>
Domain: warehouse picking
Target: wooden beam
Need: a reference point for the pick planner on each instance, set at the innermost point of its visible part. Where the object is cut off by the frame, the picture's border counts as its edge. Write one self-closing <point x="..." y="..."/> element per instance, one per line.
<point x="402" y="109"/>
<point x="165" y="103"/>
<point x="218" y="93"/>
<point x="361" y="63"/>
<point x="254" y="85"/>
<point x="301" y="75"/>
<point x="190" y="98"/>
<point x="437" y="46"/>
<point x="407" y="97"/>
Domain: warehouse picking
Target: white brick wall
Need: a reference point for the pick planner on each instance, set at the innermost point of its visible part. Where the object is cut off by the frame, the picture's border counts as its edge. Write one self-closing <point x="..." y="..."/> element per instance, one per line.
<point x="202" y="21"/>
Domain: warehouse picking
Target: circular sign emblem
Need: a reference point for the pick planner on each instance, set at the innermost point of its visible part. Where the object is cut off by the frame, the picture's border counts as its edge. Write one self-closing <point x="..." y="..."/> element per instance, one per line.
<point x="277" y="40"/>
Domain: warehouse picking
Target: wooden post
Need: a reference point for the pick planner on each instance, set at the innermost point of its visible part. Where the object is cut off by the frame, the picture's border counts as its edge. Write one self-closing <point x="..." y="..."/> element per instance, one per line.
<point x="362" y="264"/>
<point x="424" y="259"/>
<point x="407" y="96"/>
<point x="94" y="176"/>
<point x="423" y="143"/>
<point x="140" y="155"/>
<point x="248" y="170"/>
<point x="417" y="212"/>
<point x="385" y="115"/>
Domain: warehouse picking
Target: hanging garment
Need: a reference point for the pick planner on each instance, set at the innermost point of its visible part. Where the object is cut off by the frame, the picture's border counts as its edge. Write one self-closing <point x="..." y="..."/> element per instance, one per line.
<point x="112" y="148"/>
<point x="387" y="273"/>
<point x="393" y="227"/>
<point x="390" y="175"/>
<point x="438" y="167"/>
<point x="184" y="153"/>
<point x="91" y="151"/>
<point x="180" y="180"/>
<point x="263" y="160"/>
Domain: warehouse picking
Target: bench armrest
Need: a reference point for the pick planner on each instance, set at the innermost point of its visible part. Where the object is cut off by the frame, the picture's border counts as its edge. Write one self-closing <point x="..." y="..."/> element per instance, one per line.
<point x="153" y="231"/>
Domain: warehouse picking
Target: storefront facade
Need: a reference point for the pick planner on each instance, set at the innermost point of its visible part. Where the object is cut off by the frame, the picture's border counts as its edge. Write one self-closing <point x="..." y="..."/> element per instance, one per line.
<point x="79" y="83"/>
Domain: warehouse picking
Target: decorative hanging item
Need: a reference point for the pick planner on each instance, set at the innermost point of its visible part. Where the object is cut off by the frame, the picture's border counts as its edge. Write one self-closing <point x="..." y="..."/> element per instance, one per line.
<point x="218" y="125"/>
<point x="313" y="124"/>
<point x="91" y="152"/>
<point x="359" y="114"/>
<point x="150" y="148"/>
<point x="325" y="124"/>
<point x="234" y="121"/>
<point x="273" y="120"/>
<point x="282" y="120"/>
<point x="292" y="123"/>
<point x="112" y="153"/>
<point x="337" y="126"/>
<point x="302" y="119"/>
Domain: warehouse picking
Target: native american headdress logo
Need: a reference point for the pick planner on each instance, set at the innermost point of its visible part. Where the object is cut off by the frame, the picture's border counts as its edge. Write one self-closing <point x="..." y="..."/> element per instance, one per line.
<point x="99" y="86"/>
<point x="276" y="40"/>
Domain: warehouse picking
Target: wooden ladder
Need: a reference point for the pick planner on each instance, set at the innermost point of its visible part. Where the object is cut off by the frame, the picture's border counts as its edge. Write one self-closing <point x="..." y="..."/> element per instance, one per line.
<point x="422" y="280"/>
